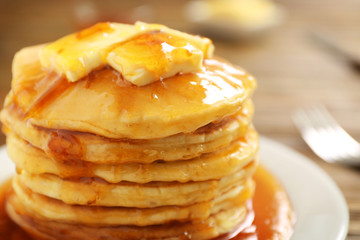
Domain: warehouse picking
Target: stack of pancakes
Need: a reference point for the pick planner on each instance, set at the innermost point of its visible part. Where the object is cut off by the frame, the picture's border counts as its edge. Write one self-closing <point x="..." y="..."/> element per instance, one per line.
<point x="101" y="158"/>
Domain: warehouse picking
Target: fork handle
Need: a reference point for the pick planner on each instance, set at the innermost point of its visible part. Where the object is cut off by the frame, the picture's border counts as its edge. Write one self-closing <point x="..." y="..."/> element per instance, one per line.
<point x="336" y="48"/>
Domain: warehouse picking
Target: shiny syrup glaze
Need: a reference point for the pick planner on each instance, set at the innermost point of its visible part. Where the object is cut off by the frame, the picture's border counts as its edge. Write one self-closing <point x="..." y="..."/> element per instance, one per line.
<point x="35" y="88"/>
<point x="273" y="214"/>
<point x="38" y="94"/>
<point x="203" y="89"/>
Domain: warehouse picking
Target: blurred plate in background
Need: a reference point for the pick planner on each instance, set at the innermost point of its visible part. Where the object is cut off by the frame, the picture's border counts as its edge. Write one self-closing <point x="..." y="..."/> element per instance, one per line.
<point x="233" y="19"/>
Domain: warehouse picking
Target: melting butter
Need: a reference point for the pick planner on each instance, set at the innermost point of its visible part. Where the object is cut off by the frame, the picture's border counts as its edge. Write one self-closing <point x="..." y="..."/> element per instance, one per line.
<point x="143" y="53"/>
<point x="76" y="55"/>
<point x="153" y="56"/>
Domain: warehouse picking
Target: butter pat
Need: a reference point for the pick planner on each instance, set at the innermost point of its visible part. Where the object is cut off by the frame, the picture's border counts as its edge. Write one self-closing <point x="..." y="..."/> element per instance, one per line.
<point x="142" y="53"/>
<point x="155" y="55"/>
<point x="203" y="44"/>
<point x="76" y="55"/>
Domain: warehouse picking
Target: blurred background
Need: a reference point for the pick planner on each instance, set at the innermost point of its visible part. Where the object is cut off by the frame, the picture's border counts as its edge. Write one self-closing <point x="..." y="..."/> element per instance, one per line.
<point x="274" y="40"/>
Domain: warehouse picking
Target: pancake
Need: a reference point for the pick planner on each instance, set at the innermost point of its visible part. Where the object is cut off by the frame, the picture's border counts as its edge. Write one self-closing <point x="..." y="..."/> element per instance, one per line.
<point x="182" y="103"/>
<point x="54" y="210"/>
<point x="96" y="192"/>
<point x="205" y="167"/>
<point x="216" y="225"/>
<point x="66" y="145"/>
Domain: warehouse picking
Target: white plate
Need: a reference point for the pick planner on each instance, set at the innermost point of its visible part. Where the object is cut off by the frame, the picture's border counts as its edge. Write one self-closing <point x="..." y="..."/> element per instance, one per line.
<point x="320" y="208"/>
<point x="7" y="168"/>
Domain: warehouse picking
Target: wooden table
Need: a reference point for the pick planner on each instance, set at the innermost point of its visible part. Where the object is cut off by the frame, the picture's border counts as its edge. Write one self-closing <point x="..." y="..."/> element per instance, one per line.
<point x="291" y="70"/>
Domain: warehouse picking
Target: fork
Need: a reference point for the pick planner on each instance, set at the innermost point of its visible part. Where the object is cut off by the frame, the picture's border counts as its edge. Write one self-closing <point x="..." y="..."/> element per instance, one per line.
<point x="326" y="137"/>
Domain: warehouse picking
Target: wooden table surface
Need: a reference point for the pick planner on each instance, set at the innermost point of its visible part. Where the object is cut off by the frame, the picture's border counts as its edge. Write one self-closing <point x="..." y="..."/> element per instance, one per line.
<point x="292" y="71"/>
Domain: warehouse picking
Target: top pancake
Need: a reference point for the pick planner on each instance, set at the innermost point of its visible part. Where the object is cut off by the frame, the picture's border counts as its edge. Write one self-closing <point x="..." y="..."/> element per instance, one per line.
<point x="105" y="104"/>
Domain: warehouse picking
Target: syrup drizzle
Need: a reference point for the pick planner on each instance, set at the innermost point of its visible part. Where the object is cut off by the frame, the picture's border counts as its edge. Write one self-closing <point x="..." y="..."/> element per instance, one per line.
<point x="56" y="87"/>
<point x="38" y="93"/>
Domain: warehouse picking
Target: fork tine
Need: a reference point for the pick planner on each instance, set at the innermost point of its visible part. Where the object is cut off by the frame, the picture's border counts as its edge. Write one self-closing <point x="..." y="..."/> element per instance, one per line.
<point x="349" y="148"/>
<point x="309" y="125"/>
<point x="323" y="115"/>
<point x="301" y="119"/>
<point x="325" y="136"/>
<point x="324" y="124"/>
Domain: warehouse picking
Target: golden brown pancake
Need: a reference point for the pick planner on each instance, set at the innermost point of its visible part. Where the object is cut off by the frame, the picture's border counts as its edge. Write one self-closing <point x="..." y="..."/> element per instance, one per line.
<point x="216" y="225"/>
<point x="54" y="210"/>
<point x="102" y="103"/>
<point x="205" y="167"/>
<point x="67" y="145"/>
<point x="97" y="192"/>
